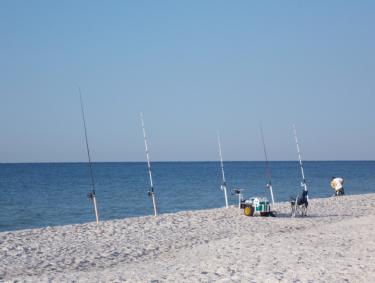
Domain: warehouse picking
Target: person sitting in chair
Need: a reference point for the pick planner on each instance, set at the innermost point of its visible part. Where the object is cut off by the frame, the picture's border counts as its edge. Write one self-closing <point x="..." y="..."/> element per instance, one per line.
<point x="337" y="185"/>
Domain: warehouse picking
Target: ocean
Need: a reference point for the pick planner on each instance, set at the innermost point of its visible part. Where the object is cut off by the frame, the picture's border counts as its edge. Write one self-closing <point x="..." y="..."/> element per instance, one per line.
<point x="48" y="194"/>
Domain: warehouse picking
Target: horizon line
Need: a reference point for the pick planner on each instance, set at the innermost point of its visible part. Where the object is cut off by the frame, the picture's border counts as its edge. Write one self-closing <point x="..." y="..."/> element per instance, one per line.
<point x="184" y="161"/>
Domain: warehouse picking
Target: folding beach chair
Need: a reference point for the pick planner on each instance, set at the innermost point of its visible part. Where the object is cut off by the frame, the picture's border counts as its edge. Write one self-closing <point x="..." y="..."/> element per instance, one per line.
<point x="299" y="204"/>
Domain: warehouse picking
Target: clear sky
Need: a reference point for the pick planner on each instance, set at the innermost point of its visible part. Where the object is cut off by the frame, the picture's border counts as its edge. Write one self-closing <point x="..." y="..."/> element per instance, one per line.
<point x="192" y="67"/>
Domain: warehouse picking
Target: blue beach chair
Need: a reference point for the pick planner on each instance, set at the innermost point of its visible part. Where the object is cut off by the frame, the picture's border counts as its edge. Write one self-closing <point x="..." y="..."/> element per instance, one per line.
<point x="299" y="204"/>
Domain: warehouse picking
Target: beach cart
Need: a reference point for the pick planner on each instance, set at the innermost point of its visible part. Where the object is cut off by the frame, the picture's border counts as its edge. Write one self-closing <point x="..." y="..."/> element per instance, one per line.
<point x="257" y="206"/>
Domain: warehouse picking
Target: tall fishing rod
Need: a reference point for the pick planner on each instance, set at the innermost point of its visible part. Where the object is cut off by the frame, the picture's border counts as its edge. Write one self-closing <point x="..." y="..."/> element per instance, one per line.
<point x="151" y="191"/>
<point x="303" y="183"/>
<point x="224" y="183"/>
<point x="90" y="195"/>
<point x="268" y="170"/>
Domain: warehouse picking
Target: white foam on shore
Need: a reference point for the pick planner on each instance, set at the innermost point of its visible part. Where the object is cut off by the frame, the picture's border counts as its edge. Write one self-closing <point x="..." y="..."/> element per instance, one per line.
<point x="335" y="243"/>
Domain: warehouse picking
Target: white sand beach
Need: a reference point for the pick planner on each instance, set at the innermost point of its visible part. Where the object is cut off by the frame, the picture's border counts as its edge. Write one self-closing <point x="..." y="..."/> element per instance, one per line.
<point x="335" y="243"/>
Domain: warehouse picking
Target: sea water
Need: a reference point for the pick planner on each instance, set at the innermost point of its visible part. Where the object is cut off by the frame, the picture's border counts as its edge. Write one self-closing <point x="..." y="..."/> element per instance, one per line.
<point x="46" y="194"/>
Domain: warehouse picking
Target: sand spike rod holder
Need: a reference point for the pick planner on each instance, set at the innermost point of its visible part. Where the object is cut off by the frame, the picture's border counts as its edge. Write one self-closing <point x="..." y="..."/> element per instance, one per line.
<point x="303" y="182"/>
<point x="151" y="192"/>
<point x="224" y="183"/>
<point x="90" y="195"/>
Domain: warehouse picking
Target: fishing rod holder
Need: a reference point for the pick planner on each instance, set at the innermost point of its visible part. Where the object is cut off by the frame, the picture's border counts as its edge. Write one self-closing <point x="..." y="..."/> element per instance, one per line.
<point x="240" y="196"/>
<point x="269" y="187"/>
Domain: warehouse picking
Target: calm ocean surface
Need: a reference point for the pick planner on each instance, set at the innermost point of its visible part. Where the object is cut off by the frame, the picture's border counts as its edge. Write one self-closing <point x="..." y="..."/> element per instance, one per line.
<point x="46" y="194"/>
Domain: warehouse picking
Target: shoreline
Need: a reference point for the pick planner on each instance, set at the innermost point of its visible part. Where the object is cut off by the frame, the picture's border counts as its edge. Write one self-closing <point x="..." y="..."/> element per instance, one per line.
<point x="220" y="245"/>
<point x="168" y="213"/>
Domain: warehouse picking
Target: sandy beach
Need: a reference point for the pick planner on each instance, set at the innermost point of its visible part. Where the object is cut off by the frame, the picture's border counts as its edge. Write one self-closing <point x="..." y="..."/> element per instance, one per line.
<point x="335" y="243"/>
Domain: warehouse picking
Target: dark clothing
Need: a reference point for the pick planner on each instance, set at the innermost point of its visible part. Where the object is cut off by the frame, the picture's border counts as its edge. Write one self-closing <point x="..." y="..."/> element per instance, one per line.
<point x="302" y="198"/>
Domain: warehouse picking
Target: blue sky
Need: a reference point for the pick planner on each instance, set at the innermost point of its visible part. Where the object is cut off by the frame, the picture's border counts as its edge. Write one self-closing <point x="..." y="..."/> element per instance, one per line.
<point x="192" y="67"/>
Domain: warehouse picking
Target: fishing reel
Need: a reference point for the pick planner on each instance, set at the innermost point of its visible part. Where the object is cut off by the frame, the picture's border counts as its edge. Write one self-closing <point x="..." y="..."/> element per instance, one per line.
<point x="90" y="195"/>
<point x="304" y="185"/>
<point x="239" y="193"/>
<point x="150" y="193"/>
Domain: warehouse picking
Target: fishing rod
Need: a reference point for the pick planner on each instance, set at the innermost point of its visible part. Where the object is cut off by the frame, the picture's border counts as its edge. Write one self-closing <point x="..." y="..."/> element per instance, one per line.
<point x="303" y="183"/>
<point x="224" y="183"/>
<point x="151" y="191"/>
<point x="268" y="170"/>
<point x="90" y="195"/>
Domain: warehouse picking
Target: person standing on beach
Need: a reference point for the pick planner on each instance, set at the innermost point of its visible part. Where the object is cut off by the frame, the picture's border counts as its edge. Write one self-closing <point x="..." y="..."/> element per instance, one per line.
<point x="337" y="185"/>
